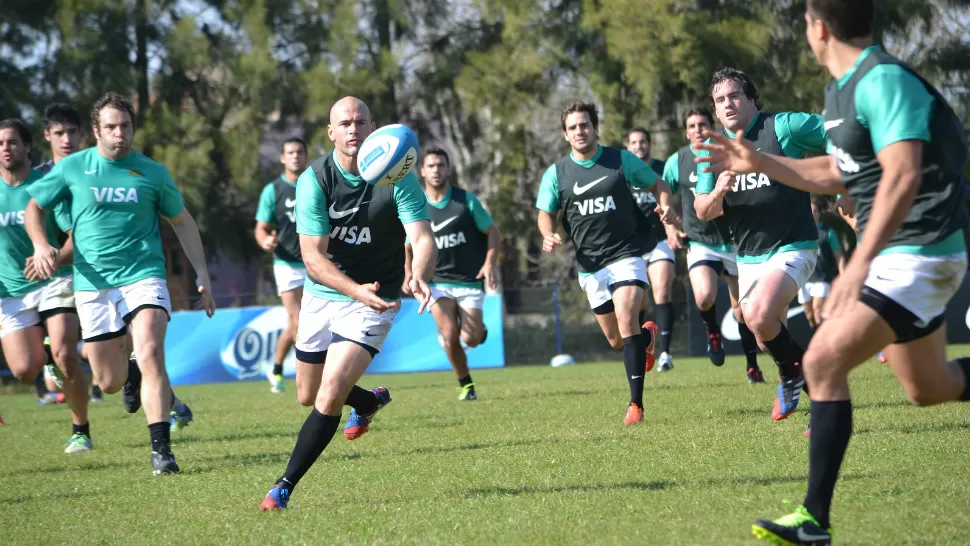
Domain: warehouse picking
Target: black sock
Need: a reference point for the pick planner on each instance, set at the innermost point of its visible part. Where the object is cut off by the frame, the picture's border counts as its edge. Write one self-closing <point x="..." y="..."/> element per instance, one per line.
<point x="831" y="428"/>
<point x="277" y="369"/>
<point x="647" y="336"/>
<point x="317" y="431"/>
<point x="362" y="400"/>
<point x="665" y="326"/>
<point x="134" y="374"/>
<point x="96" y="390"/>
<point x="159" y="432"/>
<point x="710" y="319"/>
<point x="642" y="316"/>
<point x="84" y="429"/>
<point x="635" y="362"/>
<point x="40" y="385"/>
<point x="467" y="380"/>
<point x="964" y="364"/>
<point x="749" y="345"/>
<point x="787" y="353"/>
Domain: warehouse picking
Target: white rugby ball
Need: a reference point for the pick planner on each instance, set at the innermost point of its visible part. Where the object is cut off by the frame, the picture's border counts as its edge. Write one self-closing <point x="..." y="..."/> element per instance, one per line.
<point x="387" y="155"/>
<point x="561" y="360"/>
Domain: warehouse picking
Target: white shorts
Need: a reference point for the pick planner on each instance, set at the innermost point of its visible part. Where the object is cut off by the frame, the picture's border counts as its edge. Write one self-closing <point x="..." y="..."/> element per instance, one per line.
<point x="107" y="312"/>
<point x="598" y="286"/>
<point x="660" y="252"/>
<point x="921" y="285"/>
<point x="33" y="307"/>
<point x="798" y="264"/>
<point x="288" y="277"/>
<point x="323" y="322"/>
<point x="698" y="254"/>
<point x="813" y="290"/>
<point x="467" y="298"/>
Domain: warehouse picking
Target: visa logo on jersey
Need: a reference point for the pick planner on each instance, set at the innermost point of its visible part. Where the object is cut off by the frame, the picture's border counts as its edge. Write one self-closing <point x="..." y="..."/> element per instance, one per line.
<point x="750" y="181"/>
<point x="351" y="235"/>
<point x="596" y="205"/>
<point x="12" y="218"/>
<point x="115" y="195"/>
<point x="450" y="241"/>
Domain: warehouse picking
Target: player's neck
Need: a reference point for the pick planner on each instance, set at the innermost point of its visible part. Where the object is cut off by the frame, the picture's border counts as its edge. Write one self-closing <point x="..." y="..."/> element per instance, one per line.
<point x="842" y="56"/>
<point x="57" y="158"/>
<point x="435" y="195"/>
<point x="347" y="163"/>
<point x="16" y="177"/>
<point x="291" y="176"/>
<point x="586" y="155"/>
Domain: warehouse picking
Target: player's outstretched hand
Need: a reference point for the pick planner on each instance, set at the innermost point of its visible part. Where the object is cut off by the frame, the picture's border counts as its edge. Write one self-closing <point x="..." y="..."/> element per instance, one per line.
<point x="206" y="301"/>
<point x="45" y="258"/>
<point x="550" y="242"/>
<point x="367" y="294"/>
<point x="729" y="154"/>
<point x="270" y="243"/>
<point x="422" y="293"/>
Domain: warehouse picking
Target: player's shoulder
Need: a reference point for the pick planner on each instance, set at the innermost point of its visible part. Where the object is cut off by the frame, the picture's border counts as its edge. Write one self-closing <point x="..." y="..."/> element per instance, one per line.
<point x="154" y="171"/>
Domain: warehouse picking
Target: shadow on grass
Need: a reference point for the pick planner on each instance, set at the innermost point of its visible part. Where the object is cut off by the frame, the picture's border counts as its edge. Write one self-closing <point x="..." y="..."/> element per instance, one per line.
<point x="916" y="429"/>
<point x="180" y="439"/>
<point x="50" y="497"/>
<point x="579" y="488"/>
<point x="100" y="465"/>
<point x="483" y="445"/>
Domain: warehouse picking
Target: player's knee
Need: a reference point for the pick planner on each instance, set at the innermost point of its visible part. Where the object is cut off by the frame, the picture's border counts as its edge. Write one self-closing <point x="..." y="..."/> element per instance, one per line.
<point x="292" y="323"/>
<point x="149" y="351"/>
<point x="305" y="397"/>
<point x="615" y="341"/>
<point x="472" y="338"/>
<point x="66" y="359"/>
<point x="738" y="314"/>
<point x="924" y="397"/>
<point x="26" y="374"/>
<point x="110" y="384"/>
<point x="704" y="300"/>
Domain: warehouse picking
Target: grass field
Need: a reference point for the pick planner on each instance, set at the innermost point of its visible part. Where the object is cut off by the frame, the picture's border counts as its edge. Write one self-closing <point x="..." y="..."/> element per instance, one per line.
<point x="541" y="458"/>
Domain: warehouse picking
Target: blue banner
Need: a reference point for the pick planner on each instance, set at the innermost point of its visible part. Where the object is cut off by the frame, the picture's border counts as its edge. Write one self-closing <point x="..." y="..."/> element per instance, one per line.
<point x="240" y="344"/>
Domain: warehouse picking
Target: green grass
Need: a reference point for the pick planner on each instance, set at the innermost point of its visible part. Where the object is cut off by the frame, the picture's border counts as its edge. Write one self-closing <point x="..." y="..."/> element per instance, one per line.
<point x="541" y="458"/>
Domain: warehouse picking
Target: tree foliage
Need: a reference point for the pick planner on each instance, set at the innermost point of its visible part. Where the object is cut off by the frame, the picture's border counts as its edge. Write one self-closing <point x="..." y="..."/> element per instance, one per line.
<point x="220" y="83"/>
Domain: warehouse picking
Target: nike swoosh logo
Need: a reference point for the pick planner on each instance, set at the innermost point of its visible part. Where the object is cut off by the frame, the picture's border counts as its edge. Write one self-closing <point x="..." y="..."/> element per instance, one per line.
<point x="437" y="227"/>
<point x="336" y="215"/>
<point x="91" y="172"/>
<point x="579" y="190"/>
<point x="635" y="376"/>
<point x="805" y="537"/>
<point x="729" y="324"/>
<point x="289" y="203"/>
<point x="368" y="334"/>
<point x="789" y="265"/>
<point x="692" y="178"/>
<point x="833" y="124"/>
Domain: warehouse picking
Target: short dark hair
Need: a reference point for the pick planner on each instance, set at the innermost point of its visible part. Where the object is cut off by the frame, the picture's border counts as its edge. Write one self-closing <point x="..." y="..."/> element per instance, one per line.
<point x="846" y="19"/>
<point x="434" y="150"/>
<point x="738" y="77"/>
<point x="294" y="140"/>
<point x="699" y="111"/>
<point x="580" y="106"/>
<point x="646" y="133"/>
<point x="823" y="203"/>
<point x="113" y="100"/>
<point x="22" y="130"/>
<point x="64" y="114"/>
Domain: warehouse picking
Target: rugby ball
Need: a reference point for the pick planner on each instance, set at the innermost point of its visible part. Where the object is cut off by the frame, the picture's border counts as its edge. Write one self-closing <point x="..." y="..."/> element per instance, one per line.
<point x="387" y="155"/>
<point x="561" y="360"/>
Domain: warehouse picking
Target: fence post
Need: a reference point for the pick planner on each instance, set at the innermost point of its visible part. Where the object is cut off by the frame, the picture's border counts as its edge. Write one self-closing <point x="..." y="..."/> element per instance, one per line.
<point x="555" y="311"/>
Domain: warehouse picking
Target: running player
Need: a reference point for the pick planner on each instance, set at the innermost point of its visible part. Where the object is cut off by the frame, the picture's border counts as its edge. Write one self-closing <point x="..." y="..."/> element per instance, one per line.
<point x="898" y="149"/>
<point x="829" y="264"/>
<point x="660" y="261"/>
<point x="771" y="224"/>
<point x="29" y="308"/>
<point x="710" y="250"/>
<point x="276" y="233"/>
<point x="116" y="195"/>
<point x="352" y="239"/>
<point x="467" y="242"/>
<point x="62" y="130"/>
<point x="600" y="217"/>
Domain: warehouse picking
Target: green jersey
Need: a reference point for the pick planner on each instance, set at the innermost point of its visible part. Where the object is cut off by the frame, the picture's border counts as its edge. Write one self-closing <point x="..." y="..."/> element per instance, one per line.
<point x="680" y="172"/>
<point x="115" y="207"/>
<point x="365" y="224"/>
<point x="764" y="216"/>
<point x="277" y="205"/>
<point x="15" y="245"/>
<point x="600" y="214"/>
<point x="459" y="222"/>
<point x="881" y="101"/>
